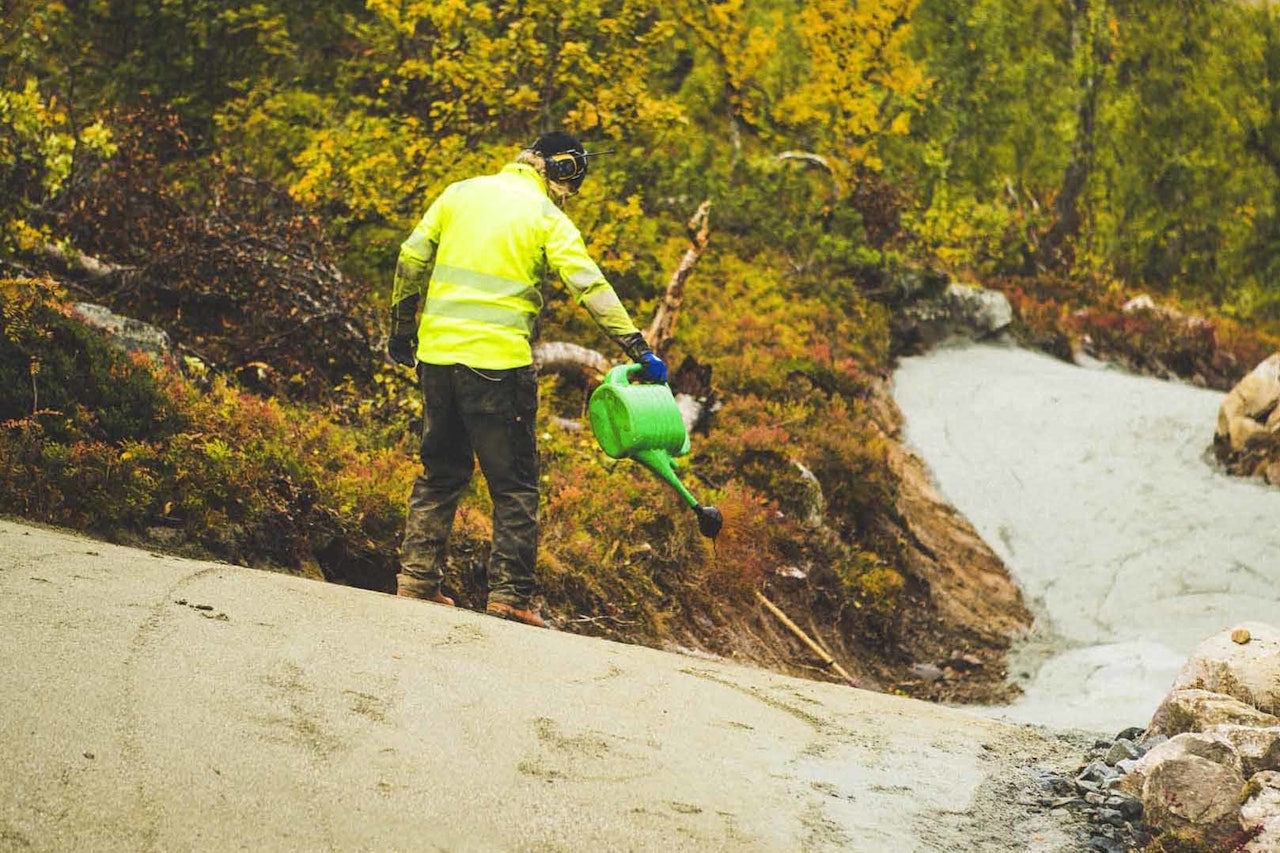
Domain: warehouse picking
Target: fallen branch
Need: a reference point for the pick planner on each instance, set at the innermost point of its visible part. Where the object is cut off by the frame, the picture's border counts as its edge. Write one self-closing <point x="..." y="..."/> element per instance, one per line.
<point x="596" y="620"/>
<point x="663" y="328"/>
<point x="562" y="357"/>
<point x="77" y="262"/>
<point x="807" y="640"/>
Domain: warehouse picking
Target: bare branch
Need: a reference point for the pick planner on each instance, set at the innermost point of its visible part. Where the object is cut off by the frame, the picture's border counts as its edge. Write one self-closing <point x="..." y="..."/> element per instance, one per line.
<point x="663" y="328"/>
<point x="563" y="357"/>
<point x="811" y="159"/>
<point x="77" y="261"/>
<point x="808" y="157"/>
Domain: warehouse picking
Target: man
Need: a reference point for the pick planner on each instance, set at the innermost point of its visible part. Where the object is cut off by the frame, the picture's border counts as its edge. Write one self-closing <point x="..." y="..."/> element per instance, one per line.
<point x="488" y="241"/>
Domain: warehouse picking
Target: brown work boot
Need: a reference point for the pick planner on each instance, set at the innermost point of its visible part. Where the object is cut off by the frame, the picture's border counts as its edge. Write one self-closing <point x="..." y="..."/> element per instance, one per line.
<point x="515" y="614"/>
<point x="407" y="586"/>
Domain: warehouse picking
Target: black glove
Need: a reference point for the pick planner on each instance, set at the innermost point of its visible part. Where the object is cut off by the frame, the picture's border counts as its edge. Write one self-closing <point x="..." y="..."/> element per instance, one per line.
<point x="403" y="344"/>
<point x="403" y="349"/>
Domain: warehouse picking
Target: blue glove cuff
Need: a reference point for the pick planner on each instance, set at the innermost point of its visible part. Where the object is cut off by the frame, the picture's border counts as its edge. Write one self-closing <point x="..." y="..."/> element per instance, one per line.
<point x="655" y="369"/>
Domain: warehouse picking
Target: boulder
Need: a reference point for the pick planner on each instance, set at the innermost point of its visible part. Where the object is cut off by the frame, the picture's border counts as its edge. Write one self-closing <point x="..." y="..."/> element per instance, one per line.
<point x="1249" y="671"/>
<point x="1250" y="408"/>
<point x="1192" y="710"/>
<point x="1204" y="745"/>
<point x="125" y="333"/>
<point x="1258" y="748"/>
<point x="1260" y="812"/>
<point x="1191" y="785"/>
<point x="980" y="312"/>
<point x="961" y="310"/>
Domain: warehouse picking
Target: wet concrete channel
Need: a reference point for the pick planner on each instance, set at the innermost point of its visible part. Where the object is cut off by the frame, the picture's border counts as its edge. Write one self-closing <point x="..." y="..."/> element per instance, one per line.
<point x="1099" y="490"/>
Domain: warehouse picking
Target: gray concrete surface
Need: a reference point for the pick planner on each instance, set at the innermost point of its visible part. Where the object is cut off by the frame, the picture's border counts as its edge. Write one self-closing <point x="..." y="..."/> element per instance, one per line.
<point x="1098" y="490"/>
<point x="156" y="703"/>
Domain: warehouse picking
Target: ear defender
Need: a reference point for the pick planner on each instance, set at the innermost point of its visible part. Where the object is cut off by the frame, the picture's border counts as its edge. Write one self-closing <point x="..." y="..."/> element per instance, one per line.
<point x="569" y="167"/>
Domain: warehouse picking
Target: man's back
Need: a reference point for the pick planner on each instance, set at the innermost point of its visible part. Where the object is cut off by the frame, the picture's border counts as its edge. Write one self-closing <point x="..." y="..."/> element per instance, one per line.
<point x="496" y="225"/>
<point x="483" y="298"/>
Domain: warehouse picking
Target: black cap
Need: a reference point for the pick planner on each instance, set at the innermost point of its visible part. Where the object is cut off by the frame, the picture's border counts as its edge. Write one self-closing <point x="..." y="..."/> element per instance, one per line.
<point x="558" y="142"/>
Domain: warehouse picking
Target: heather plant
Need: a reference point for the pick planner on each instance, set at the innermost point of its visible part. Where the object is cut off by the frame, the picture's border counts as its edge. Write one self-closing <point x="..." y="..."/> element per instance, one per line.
<point x="58" y="374"/>
<point x="1204" y="345"/>
<point x="97" y="439"/>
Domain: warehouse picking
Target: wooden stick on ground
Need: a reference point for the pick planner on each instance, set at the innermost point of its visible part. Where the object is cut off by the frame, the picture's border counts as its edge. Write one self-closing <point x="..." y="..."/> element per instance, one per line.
<point x="807" y="640"/>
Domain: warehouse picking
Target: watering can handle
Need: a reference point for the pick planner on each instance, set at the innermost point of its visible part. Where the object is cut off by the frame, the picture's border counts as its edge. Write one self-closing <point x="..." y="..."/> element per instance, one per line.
<point x="622" y="374"/>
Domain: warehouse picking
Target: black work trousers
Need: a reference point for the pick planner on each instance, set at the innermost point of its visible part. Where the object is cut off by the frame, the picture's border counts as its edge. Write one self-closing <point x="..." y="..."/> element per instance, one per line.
<point x="471" y="414"/>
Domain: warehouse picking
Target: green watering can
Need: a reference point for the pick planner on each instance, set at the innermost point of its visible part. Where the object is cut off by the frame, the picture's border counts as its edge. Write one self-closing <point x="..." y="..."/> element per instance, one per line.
<point x="642" y="422"/>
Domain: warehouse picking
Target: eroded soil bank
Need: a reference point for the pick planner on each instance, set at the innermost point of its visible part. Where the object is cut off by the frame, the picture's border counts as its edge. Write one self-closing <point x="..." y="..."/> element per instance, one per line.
<point x="960" y="614"/>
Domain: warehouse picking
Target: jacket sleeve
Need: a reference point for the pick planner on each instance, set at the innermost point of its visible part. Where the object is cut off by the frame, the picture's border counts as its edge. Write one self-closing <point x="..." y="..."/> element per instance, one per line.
<point x="567" y="256"/>
<point x="413" y="266"/>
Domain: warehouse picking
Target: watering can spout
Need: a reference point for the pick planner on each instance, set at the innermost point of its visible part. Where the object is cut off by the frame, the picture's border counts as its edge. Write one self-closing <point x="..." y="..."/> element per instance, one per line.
<point x="643" y="422"/>
<point x="709" y="521"/>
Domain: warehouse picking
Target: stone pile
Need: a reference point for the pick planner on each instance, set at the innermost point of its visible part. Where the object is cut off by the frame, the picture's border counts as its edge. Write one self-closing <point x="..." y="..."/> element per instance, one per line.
<point x="1206" y="770"/>
<point x="1113" y="817"/>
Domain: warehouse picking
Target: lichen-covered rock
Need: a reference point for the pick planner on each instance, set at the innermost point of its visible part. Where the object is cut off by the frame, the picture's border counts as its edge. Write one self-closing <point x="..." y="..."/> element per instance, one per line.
<point x="1249" y="672"/>
<point x="978" y="311"/>
<point x="1258" y="748"/>
<point x="126" y="333"/>
<point x="1190" y="784"/>
<point x="1261" y="812"/>
<point x="1207" y="746"/>
<point x="961" y="310"/>
<point x="1194" y="710"/>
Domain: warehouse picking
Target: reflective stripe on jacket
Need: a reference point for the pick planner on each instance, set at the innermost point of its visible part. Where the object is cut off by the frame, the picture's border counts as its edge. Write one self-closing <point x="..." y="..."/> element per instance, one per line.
<point x="491" y="239"/>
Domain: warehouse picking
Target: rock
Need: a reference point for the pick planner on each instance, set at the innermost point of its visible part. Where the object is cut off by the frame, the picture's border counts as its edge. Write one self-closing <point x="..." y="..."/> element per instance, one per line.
<point x="125" y="333"/>
<point x="1261" y="811"/>
<point x="1132" y="734"/>
<point x="1250" y="672"/>
<point x="1258" y="748"/>
<point x="981" y="312"/>
<point x="1193" y="787"/>
<point x="815" y="505"/>
<point x="1096" y="773"/>
<point x="1192" y="710"/>
<point x="1210" y="747"/>
<point x="1245" y="410"/>
<point x="927" y="672"/>
<point x="1111" y="816"/>
<point x="1119" y="751"/>
<point x="1141" y="302"/>
<point x="1224" y="718"/>
<point x="1129" y="807"/>
<point x="961" y="310"/>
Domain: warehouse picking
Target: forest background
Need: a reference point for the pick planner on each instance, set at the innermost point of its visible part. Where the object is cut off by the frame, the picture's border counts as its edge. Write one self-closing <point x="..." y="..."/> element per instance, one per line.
<point x="241" y="174"/>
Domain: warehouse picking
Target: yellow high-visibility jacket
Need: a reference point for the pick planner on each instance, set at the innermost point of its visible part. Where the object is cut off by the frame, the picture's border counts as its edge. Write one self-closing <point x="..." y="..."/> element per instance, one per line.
<point x="489" y="240"/>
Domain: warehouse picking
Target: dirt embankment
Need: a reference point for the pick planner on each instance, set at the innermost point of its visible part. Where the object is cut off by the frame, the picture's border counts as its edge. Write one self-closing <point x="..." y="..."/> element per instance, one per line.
<point x="961" y="611"/>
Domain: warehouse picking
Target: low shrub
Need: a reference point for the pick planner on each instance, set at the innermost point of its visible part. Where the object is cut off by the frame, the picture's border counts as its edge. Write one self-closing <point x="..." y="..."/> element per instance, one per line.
<point x="99" y="440"/>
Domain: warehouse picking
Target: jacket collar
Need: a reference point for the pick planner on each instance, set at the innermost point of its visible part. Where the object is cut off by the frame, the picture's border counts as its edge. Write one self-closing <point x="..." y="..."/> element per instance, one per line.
<point x="526" y="172"/>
